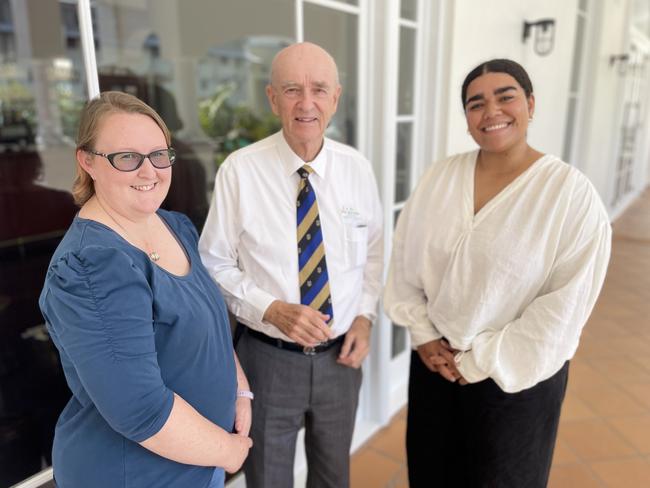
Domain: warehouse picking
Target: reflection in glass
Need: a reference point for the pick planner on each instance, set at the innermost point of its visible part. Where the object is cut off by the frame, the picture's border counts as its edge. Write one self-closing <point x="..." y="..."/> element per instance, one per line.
<point x="33" y="218"/>
<point x="337" y="32"/>
<point x="204" y="67"/>
<point x="398" y="334"/>
<point x="403" y="162"/>
<point x="42" y="85"/>
<point x="409" y="9"/>
<point x="234" y="112"/>
<point x="398" y="342"/>
<point x="173" y="58"/>
<point x="406" y="71"/>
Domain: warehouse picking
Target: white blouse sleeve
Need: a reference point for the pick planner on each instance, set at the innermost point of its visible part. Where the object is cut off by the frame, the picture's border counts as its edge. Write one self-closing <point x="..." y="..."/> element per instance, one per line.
<point x="405" y="300"/>
<point x="535" y="345"/>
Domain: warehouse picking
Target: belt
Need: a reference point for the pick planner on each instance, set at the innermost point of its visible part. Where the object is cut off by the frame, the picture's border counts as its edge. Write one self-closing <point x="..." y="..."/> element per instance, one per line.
<point x="292" y="346"/>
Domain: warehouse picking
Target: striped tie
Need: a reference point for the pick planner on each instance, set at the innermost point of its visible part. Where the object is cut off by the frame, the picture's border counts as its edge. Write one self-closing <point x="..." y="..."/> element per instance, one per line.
<point x="314" y="282"/>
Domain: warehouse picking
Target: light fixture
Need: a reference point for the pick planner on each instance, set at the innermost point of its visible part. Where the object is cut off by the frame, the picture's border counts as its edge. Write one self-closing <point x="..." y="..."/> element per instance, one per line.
<point x="544" y="35"/>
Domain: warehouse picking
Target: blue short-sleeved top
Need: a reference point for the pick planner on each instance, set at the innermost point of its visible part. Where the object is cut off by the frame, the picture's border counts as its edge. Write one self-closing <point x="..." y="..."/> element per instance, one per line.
<point x="130" y="334"/>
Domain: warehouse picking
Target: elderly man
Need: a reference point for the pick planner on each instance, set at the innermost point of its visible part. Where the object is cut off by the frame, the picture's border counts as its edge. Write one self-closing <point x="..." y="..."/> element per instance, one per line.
<point x="294" y="239"/>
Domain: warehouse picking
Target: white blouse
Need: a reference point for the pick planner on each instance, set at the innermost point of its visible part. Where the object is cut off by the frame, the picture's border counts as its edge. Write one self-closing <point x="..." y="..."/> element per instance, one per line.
<point x="511" y="286"/>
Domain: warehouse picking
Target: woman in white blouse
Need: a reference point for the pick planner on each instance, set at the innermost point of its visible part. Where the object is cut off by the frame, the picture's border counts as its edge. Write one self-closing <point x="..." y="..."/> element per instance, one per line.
<point x="498" y="258"/>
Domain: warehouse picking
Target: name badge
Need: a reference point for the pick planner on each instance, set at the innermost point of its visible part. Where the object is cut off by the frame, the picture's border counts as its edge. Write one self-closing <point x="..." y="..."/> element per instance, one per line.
<point x="351" y="216"/>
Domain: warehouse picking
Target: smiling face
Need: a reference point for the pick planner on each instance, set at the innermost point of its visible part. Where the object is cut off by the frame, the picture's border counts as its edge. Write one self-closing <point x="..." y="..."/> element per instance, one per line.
<point x="304" y="93"/>
<point x="133" y="194"/>
<point x="497" y="112"/>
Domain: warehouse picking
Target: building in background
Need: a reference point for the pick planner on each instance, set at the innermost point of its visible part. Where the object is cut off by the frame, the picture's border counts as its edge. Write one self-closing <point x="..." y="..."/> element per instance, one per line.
<point x="204" y="65"/>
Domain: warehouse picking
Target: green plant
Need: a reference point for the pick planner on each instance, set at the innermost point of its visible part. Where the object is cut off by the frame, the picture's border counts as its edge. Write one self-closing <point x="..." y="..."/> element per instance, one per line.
<point x="70" y="109"/>
<point x="232" y="126"/>
<point x="17" y="104"/>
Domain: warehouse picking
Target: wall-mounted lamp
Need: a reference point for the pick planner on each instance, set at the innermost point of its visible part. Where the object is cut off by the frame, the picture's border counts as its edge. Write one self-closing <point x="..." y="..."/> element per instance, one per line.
<point x="622" y="61"/>
<point x="544" y="35"/>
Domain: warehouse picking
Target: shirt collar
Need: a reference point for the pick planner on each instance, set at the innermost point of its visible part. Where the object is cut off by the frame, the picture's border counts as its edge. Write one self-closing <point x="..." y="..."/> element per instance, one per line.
<point x="291" y="161"/>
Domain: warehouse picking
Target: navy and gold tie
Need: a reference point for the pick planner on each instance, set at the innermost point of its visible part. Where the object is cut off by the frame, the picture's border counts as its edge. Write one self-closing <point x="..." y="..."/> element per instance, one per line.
<point x="314" y="281"/>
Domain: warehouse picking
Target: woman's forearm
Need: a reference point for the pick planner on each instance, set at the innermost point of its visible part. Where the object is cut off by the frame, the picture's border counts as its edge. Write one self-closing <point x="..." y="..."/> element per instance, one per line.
<point x="188" y="437"/>
<point x="242" y="382"/>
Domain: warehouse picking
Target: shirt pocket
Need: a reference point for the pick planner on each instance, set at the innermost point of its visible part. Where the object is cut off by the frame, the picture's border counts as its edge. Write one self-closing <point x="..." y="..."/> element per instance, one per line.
<point x="355" y="236"/>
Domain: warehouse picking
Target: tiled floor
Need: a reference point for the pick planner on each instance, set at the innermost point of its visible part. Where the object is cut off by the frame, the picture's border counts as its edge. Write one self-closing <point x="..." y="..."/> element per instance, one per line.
<point x="604" y="438"/>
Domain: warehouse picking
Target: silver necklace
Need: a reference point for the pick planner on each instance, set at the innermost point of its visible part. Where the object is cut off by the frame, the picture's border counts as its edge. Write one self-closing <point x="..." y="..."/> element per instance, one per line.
<point x="153" y="255"/>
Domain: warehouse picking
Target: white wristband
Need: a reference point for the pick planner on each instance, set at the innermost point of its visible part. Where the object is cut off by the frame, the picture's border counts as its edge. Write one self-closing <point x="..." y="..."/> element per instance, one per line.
<point x="245" y="394"/>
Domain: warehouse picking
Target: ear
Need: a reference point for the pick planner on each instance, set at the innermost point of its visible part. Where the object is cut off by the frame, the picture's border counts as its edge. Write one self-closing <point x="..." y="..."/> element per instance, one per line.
<point x="337" y="96"/>
<point x="272" y="97"/>
<point x="531" y="105"/>
<point x="85" y="161"/>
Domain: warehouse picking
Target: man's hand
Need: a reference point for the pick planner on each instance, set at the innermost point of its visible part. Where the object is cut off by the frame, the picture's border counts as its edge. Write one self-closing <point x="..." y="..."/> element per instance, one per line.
<point x="300" y="323"/>
<point x="356" y="344"/>
<point x="438" y="356"/>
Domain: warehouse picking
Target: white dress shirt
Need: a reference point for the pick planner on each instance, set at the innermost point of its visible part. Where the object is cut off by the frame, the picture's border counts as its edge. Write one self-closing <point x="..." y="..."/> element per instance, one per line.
<point x="511" y="286"/>
<point x="249" y="243"/>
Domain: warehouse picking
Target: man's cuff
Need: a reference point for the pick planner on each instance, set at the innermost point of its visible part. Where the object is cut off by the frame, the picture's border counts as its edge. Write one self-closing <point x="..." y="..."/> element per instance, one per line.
<point x="365" y="316"/>
<point x="259" y="300"/>
<point x="368" y="307"/>
<point x="372" y="316"/>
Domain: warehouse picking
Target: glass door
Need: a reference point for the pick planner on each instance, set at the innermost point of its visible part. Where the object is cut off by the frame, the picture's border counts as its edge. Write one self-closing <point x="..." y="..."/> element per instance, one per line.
<point x="632" y="151"/>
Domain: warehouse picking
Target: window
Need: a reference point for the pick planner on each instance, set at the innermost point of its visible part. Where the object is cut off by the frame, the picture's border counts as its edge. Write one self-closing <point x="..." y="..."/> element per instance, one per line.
<point x="40" y="96"/>
<point x="405" y="119"/>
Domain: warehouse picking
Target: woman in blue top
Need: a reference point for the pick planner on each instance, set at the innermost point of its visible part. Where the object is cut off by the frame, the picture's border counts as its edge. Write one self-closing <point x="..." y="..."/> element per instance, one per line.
<point x="140" y="326"/>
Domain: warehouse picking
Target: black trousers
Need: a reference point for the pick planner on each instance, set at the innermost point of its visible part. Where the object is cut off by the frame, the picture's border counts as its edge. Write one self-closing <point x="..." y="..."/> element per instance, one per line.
<point x="478" y="436"/>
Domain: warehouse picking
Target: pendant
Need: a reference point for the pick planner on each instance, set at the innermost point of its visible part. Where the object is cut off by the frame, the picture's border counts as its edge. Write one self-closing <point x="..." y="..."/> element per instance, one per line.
<point x="154" y="256"/>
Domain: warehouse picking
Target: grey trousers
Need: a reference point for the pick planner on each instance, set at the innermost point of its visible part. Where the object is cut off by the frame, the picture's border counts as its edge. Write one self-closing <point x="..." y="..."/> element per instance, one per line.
<point x="293" y="390"/>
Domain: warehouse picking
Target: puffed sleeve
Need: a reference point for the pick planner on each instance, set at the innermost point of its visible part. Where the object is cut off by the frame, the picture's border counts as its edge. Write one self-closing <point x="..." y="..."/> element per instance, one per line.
<point x="188" y="226"/>
<point x="534" y="346"/>
<point x="405" y="300"/>
<point x="98" y="304"/>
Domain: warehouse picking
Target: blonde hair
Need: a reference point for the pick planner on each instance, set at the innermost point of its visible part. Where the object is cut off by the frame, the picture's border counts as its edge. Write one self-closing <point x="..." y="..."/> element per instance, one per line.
<point x="92" y="115"/>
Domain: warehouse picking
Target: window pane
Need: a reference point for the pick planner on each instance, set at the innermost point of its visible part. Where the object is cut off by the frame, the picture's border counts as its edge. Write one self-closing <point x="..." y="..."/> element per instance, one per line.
<point x="204" y="67"/>
<point x="337" y="33"/>
<point x="398" y="343"/>
<point x="406" y="70"/>
<point x="403" y="162"/>
<point x="42" y="87"/>
<point x="409" y="9"/>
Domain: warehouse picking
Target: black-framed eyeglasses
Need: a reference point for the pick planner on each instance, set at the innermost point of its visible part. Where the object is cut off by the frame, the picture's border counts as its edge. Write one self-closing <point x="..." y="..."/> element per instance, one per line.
<point x="130" y="161"/>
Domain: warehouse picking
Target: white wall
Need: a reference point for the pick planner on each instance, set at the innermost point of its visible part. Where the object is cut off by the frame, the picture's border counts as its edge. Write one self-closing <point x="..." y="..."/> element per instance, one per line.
<point x="485" y="30"/>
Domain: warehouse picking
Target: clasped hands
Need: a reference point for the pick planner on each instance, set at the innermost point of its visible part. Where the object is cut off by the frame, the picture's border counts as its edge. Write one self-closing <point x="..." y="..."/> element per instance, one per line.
<point x="438" y="356"/>
<point x="308" y="327"/>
